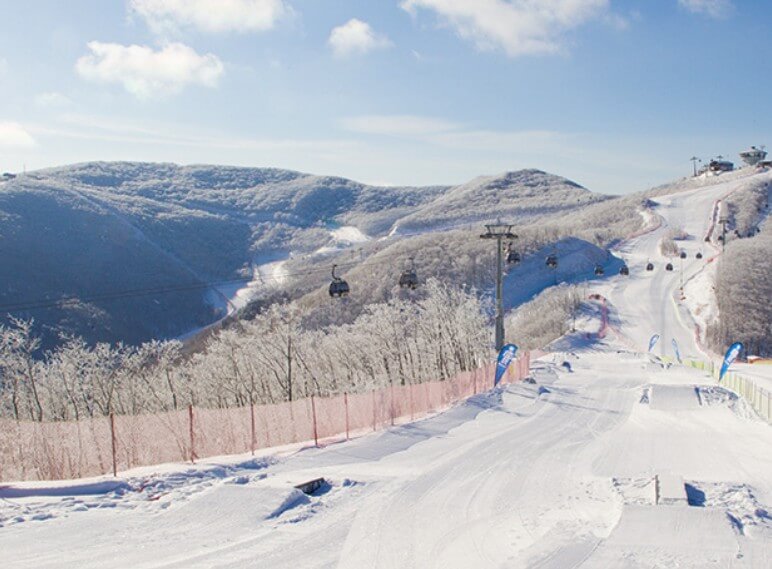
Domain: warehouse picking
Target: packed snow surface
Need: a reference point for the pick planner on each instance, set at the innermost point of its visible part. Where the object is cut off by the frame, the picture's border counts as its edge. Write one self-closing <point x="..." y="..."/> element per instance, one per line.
<point x="531" y="475"/>
<point x="560" y="472"/>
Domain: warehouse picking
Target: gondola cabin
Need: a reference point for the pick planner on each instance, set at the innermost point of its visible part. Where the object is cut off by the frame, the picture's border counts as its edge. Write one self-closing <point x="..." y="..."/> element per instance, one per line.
<point x="338" y="287"/>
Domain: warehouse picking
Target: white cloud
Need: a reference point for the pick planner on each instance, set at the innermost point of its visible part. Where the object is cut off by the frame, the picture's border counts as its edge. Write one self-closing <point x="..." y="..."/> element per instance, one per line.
<point x="130" y="131"/>
<point x="397" y="125"/>
<point x="146" y="73"/>
<point x="449" y="134"/>
<point x="518" y="27"/>
<point x="13" y="135"/>
<point x="214" y="16"/>
<point x="52" y="99"/>
<point x="713" y="8"/>
<point x="356" y="37"/>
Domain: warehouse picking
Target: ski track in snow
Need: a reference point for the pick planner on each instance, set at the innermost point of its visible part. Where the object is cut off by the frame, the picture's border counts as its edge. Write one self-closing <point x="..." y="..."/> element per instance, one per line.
<point x="558" y="473"/>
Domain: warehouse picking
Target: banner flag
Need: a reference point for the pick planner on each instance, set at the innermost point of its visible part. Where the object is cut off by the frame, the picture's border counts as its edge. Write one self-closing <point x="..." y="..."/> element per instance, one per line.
<point x="731" y="355"/>
<point x="506" y="355"/>
<point x="653" y="341"/>
<point x="676" y="350"/>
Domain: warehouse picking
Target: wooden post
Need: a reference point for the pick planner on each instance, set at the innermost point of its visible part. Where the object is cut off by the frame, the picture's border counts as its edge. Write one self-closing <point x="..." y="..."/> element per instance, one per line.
<point x="474" y="382"/>
<point x="313" y="415"/>
<point x="252" y="421"/>
<point x="192" y="435"/>
<point x="113" y="444"/>
<point x="345" y="404"/>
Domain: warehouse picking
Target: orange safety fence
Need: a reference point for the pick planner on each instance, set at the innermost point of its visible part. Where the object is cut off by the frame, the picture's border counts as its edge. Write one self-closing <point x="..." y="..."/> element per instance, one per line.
<point x="100" y="445"/>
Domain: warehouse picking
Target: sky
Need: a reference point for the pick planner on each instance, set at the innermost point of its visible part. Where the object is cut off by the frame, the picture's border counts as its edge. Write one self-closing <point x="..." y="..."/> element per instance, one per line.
<point x="616" y="95"/>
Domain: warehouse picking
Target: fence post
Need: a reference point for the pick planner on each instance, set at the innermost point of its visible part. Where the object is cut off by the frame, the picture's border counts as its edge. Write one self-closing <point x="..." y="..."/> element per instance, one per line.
<point x="410" y="397"/>
<point x="345" y="404"/>
<point x="391" y="401"/>
<point x="252" y="426"/>
<point x="374" y="428"/>
<point x="113" y="445"/>
<point x="192" y="435"/>
<point x="313" y="414"/>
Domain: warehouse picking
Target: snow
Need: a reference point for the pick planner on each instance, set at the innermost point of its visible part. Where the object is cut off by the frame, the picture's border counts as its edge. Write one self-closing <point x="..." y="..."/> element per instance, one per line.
<point x="651" y="302"/>
<point x="557" y="473"/>
<point x="577" y="261"/>
<point x="349" y="234"/>
<point x="272" y="274"/>
<point x="537" y="474"/>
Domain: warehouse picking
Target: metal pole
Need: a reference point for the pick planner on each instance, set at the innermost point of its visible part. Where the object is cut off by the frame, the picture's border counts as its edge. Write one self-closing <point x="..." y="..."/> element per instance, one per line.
<point x="499" y="231"/>
<point x="499" y="299"/>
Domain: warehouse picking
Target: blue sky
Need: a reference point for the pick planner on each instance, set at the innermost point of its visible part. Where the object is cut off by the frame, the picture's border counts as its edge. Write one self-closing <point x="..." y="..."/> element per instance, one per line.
<point x="616" y="95"/>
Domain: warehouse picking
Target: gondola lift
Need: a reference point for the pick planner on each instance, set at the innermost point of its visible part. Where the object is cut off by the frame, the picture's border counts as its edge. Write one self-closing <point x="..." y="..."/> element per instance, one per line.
<point x="624" y="270"/>
<point x="552" y="261"/>
<point x="409" y="277"/>
<point x="599" y="270"/>
<point x="669" y="267"/>
<point x="649" y="266"/>
<point x="338" y="287"/>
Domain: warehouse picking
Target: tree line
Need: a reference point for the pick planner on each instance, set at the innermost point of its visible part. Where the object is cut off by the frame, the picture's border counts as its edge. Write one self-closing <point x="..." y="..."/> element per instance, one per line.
<point x="274" y="357"/>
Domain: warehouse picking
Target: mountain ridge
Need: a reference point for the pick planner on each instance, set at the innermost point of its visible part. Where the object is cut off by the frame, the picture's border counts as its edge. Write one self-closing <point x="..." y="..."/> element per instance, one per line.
<point x="92" y="228"/>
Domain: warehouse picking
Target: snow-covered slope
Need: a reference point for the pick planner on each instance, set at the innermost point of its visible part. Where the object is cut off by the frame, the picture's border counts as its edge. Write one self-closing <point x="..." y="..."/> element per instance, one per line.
<point x="514" y="196"/>
<point x="90" y="232"/>
<point x="560" y="473"/>
<point x="652" y="302"/>
<point x="614" y="460"/>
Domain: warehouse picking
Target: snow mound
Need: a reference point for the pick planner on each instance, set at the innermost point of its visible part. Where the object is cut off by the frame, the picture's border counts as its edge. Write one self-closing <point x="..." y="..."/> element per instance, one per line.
<point x="294" y="499"/>
<point x="717" y="396"/>
<point x="739" y="501"/>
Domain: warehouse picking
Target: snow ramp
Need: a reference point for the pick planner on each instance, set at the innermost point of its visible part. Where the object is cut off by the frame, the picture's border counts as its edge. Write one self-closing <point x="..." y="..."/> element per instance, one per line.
<point x="674" y="398"/>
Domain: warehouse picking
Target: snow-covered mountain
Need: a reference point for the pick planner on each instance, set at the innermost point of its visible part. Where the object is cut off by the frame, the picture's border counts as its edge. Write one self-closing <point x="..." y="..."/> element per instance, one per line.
<point x="512" y="196"/>
<point x="87" y="233"/>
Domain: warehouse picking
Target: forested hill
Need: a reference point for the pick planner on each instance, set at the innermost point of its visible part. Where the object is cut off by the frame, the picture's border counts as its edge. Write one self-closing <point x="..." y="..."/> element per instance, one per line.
<point x="73" y="239"/>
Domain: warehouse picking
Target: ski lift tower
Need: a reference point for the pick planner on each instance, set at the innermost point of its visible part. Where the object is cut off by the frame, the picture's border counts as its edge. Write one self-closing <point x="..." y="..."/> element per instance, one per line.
<point x="694" y="161"/>
<point x="500" y="232"/>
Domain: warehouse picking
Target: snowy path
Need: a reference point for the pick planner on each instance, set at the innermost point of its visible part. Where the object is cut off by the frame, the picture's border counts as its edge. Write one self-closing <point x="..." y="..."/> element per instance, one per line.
<point x="557" y="474"/>
<point x="650" y="302"/>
